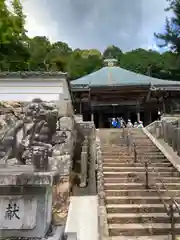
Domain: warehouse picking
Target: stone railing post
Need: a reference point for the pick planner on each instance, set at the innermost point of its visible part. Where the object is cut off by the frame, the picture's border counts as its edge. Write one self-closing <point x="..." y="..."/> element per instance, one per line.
<point x="174" y="140"/>
<point x="92" y="162"/>
<point x="84" y="163"/>
<point x="165" y="130"/>
<point x="178" y="141"/>
<point x="158" y="129"/>
<point x="169" y="133"/>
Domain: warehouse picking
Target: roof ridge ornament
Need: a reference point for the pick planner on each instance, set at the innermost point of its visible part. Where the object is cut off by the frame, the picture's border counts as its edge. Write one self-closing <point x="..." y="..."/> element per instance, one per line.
<point x="110" y="62"/>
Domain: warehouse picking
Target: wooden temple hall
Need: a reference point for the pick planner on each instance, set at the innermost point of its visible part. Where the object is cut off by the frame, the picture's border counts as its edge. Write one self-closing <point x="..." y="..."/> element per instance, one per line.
<point x="115" y="92"/>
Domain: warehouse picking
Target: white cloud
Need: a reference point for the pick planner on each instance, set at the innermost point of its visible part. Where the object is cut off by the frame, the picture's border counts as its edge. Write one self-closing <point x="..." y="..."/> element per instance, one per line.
<point x="38" y="20"/>
<point x="97" y="23"/>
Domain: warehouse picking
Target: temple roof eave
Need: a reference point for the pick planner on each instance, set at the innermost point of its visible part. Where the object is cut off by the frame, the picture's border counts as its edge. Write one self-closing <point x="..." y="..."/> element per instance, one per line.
<point x="116" y="76"/>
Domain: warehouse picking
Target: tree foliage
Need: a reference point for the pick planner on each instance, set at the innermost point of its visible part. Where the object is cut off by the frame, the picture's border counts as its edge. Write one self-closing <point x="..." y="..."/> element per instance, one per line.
<point x="171" y="36"/>
<point x="19" y="52"/>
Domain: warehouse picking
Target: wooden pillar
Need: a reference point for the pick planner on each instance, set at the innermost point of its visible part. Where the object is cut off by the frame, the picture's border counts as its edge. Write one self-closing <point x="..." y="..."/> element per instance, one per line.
<point x="138" y="111"/>
<point x="100" y="120"/>
<point x="150" y="116"/>
<point x="138" y="116"/>
<point x="92" y="117"/>
<point x="164" y="107"/>
<point x="128" y="114"/>
<point x="80" y="106"/>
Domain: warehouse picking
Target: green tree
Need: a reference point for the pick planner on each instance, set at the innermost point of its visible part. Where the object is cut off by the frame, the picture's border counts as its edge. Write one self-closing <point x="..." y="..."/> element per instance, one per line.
<point x="38" y="49"/>
<point x="171" y="36"/>
<point x="13" y="53"/>
<point x="83" y="62"/>
<point x="113" y="52"/>
<point x="58" y="56"/>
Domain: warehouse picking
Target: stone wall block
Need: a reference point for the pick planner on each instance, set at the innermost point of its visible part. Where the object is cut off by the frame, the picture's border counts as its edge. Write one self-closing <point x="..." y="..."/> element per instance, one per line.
<point x="66" y="123"/>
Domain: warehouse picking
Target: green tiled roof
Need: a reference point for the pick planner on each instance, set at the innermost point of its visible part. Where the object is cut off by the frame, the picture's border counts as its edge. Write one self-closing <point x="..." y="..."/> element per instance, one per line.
<point x="116" y="76"/>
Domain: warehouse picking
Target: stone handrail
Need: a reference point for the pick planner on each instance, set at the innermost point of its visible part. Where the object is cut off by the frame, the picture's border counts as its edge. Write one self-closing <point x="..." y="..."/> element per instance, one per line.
<point x="153" y="126"/>
<point x="88" y="154"/>
<point x="167" y="129"/>
<point x="84" y="162"/>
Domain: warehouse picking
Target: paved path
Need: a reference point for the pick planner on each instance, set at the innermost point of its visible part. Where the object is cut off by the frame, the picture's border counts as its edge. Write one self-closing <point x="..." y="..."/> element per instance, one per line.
<point x="83" y="217"/>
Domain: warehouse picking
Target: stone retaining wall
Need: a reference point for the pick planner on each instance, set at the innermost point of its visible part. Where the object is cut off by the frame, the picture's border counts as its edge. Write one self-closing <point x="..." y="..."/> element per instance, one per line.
<point x="103" y="225"/>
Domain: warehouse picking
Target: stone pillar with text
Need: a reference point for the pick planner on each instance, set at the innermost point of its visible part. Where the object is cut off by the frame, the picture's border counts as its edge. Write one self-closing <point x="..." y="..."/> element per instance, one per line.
<point x="26" y="202"/>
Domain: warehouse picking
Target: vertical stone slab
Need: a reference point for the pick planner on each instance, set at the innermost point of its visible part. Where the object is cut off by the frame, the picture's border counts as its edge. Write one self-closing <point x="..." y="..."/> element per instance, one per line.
<point x="84" y="163"/>
<point x="61" y="194"/>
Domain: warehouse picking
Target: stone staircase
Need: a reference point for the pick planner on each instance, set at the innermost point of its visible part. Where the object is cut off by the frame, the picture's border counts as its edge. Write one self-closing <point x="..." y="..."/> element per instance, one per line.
<point x="132" y="210"/>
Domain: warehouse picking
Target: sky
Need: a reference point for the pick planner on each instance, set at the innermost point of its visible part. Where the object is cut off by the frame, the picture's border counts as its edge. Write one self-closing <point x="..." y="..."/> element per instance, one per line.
<point x="128" y="24"/>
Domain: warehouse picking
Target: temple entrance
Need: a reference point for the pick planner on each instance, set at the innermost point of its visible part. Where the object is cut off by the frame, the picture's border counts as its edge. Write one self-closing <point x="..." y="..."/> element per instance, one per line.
<point x="103" y="117"/>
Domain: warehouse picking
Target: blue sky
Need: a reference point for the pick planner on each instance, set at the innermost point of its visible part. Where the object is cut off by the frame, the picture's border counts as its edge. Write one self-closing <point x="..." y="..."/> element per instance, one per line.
<point x="128" y="24"/>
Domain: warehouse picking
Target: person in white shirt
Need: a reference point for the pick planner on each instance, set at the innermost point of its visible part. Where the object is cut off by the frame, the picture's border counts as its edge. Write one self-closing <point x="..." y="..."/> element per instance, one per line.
<point x="140" y="125"/>
<point x="135" y="125"/>
<point x="129" y="124"/>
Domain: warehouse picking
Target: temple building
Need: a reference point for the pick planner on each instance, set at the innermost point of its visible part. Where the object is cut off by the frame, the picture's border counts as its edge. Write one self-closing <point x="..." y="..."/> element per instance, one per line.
<point x="115" y="92"/>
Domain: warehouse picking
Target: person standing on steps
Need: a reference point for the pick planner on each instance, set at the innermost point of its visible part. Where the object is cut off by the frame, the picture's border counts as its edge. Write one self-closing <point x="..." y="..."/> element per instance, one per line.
<point x="159" y="115"/>
<point x="114" y="123"/>
<point x="140" y="124"/>
<point x="129" y="124"/>
<point x="118" y="123"/>
<point x="135" y="125"/>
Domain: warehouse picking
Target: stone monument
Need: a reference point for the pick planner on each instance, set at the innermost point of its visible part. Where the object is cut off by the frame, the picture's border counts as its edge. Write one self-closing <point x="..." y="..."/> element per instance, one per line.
<point x="36" y="150"/>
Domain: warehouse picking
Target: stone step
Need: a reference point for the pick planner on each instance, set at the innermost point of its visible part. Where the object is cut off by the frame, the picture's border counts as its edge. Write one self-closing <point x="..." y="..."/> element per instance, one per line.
<point x="137" y="169"/>
<point x="150" y="217"/>
<point x="105" y="154"/>
<point x="152" y="158"/>
<point x="132" y="211"/>
<point x="137" y="199"/>
<point x="153" y="153"/>
<point x="124" y="146"/>
<point x="131" y="186"/>
<point x="139" y="179"/>
<point x="162" y="237"/>
<point x="121" y="143"/>
<point x="148" y="149"/>
<point x="142" y="146"/>
<point x="140" y="192"/>
<point x="141" y="229"/>
<point x="131" y="174"/>
<point x="136" y="208"/>
<point x="120" y="164"/>
<point x="130" y="159"/>
<point x="131" y="163"/>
